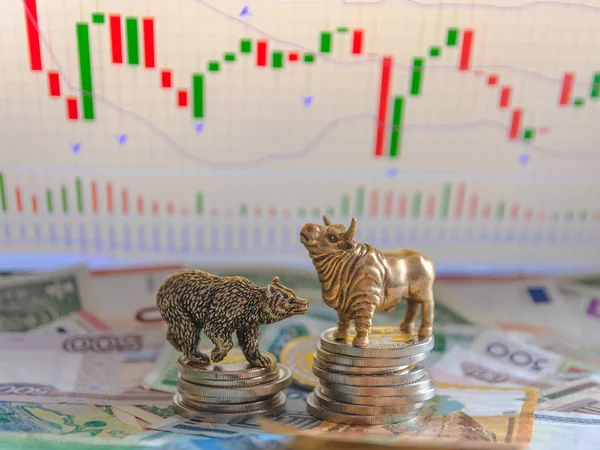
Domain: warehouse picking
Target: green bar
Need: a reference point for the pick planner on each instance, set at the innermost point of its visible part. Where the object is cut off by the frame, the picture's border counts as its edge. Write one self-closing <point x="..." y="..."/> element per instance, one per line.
<point x="65" y="199"/>
<point x="500" y="210"/>
<point x="49" y="202"/>
<point x="529" y="134"/>
<point x="345" y="205"/>
<point x="85" y="70"/>
<point x="417" y="75"/>
<point x="342" y="29"/>
<point x="452" y="38"/>
<point x="596" y="86"/>
<point x="198" y="93"/>
<point x="133" y="51"/>
<point x="583" y="216"/>
<point x="397" y="126"/>
<point x="315" y="212"/>
<point x="554" y="216"/>
<point x="569" y="216"/>
<point x="325" y="42"/>
<point x="416" y="206"/>
<point x="309" y="58"/>
<point x="330" y="211"/>
<point x="199" y="203"/>
<point x="98" y="17"/>
<point x="445" y="205"/>
<point x="301" y="212"/>
<point x="579" y="101"/>
<point x="277" y="60"/>
<point x="213" y="66"/>
<point x="360" y="201"/>
<point x="79" y="192"/>
<point x="229" y="56"/>
<point x="245" y="46"/>
<point x="2" y="193"/>
<point x="434" y="52"/>
<point x="243" y="209"/>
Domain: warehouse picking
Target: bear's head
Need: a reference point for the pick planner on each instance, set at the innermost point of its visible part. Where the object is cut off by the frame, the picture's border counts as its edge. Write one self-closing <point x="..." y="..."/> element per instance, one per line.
<point x="281" y="302"/>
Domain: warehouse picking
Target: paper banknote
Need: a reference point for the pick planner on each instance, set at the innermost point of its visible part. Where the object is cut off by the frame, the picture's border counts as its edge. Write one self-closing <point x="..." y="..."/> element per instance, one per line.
<point x="578" y="396"/>
<point x="556" y="430"/>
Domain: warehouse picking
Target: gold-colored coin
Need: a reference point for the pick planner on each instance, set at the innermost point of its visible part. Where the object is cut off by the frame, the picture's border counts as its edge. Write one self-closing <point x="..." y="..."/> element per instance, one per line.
<point x="297" y="355"/>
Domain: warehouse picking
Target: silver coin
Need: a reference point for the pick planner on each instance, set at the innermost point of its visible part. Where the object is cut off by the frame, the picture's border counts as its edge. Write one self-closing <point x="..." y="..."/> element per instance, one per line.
<point x="207" y="416"/>
<point x="347" y="408"/>
<point x="352" y="419"/>
<point x="231" y="383"/>
<point x="340" y="368"/>
<point x="197" y="391"/>
<point x="415" y="373"/>
<point x="419" y="397"/>
<point x="233" y="367"/>
<point x="384" y="342"/>
<point x="356" y="361"/>
<point x="236" y="408"/>
<point x="382" y="391"/>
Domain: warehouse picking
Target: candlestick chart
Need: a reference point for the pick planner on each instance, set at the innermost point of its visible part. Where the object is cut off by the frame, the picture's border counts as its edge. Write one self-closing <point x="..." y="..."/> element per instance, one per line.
<point x="212" y="131"/>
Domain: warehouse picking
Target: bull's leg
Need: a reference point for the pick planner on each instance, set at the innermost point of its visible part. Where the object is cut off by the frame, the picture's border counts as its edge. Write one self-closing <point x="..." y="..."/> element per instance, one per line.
<point x="412" y="311"/>
<point x="363" y="319"/>
<point x="424" y="295"/>
<point x="342" y="330"/>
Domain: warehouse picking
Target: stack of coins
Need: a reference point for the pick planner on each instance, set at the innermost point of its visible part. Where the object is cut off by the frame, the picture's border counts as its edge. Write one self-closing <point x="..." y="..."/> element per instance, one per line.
<point x="382" y="383"/>
<point x="230" y="388"/>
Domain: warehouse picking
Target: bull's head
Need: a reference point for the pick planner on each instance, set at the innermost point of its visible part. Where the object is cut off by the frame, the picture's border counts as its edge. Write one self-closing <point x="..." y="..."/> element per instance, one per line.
<point x="328" y="238"/>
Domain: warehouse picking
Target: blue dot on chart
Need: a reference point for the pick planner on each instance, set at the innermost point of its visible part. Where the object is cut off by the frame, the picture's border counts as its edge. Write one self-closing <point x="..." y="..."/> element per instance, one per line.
<point x="122" y="139"/>
<point x="307" y="100"/>
<point x="392" y="173"/>
<point x="245" y="12"/>
<point x="76" y="147"/>
<point x="199" y="127"/>
<point x="524" y="158"/>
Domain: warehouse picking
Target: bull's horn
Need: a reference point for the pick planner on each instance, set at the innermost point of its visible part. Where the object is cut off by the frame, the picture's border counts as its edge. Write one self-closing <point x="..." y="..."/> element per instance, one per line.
<point x="351" y="230"/>
<point x="326" y="221"/>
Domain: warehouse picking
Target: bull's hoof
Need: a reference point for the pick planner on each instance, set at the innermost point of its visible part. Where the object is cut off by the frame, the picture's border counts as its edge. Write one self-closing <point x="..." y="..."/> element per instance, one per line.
<point x="360" y="341"/>
<point x="425" y="331"/>
<point x="407" y="327"/>
<point x="340" y="335"/>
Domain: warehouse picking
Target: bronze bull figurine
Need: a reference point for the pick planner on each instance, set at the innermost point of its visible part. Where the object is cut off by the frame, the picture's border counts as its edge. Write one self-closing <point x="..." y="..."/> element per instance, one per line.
<point x="357" y="280"/>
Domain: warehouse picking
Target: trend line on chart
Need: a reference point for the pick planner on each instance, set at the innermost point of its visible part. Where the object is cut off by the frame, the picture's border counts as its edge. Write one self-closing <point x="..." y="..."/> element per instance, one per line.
<point x="277" y="62"/>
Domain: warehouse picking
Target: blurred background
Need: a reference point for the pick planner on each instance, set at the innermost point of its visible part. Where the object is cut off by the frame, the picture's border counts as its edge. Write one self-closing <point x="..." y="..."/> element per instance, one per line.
<point x="140" y="137"/>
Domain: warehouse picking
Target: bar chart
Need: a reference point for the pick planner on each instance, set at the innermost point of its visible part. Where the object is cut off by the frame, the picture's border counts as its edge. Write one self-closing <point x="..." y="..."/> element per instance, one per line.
<point x="215" y="131"/>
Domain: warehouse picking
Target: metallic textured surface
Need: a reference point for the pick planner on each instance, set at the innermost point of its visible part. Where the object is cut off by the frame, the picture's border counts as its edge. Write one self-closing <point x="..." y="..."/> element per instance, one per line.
<point x="374" y="400"/>
<point x="415" y="373"/>
<point x="380" y="363"/>
<point x="230" y="369"/>
<point x="381" y="391"/>
<point x="207" y="416"/>
<point x="191" y="301"/>
<point x="356" y="370"/>
<point x="237" y="408"/>
<point x="348" y="408"/>
<point x="357" y="280"/>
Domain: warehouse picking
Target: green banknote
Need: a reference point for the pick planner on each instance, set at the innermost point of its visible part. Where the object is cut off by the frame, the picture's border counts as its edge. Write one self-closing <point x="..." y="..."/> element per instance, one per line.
<point x="31" y="301"/>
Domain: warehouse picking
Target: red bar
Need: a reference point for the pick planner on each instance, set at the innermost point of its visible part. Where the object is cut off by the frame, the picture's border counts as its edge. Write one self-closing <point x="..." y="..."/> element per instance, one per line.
<point x="140" y="205"/>
<point x="182" y="98"/>
<point x="492" y="80"/>
<point x="109" y="198"/>
<point x="19" y="200"/>
<point x="374" y="206"/>
<point x="53" y="84"/>
<point x="155" y="208"/>
<point x="541" y="217"/>
<point x="473" y="206"/>
<point x="116" y="39"/>
<point x="402" y="206"/>
<point x="148" y="29"/>
<point x="166" y="78"/>
<point x="384" y="89"/>
<point x="357" y="42"/>
<point x="293" y="56"/>
<point x="125" y="201"/>
<point x="94" y="197"/>
<point x="465" y="53"/>
<point x="487" y="211"/>
<point x="287" y="214"/>
<point x="515" y="125"/>
<point x="34" y="204"/>
<point x="460" y="201"/>
<point x="184" y="211"/>
<point x="214" y="212"/>
<point x="72" y="111"/>
<point x="272" y="211"/>
<point x="170" y="208"/>
<point x="514" y="211"/>
<point x="430" y="207"/>
<point x="387" y="204"/>
<point x="257" y="211"/>
<point x="261" y="53"/>
<point x="567" y="88"/>
<point x="505" y="96"/>
<point x="527" y="214"/>
<point x="33" y="35"/>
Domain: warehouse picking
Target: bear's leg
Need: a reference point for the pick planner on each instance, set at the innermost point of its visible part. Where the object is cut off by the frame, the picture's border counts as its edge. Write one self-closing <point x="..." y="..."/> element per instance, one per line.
<point x="412" y="311"/>
<point x="188" y="335"/>
<point x="223" y="343"/>
<point x="173" y="340"/>
<point x="248" y="339"/>
<point x="363" y="319"/>
<point x="342" y="330"/>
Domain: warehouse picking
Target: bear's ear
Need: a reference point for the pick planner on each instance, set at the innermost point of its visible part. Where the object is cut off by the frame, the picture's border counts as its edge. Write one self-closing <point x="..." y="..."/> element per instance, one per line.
<point x="269" y="291"/>
<point x="275" y="280"/>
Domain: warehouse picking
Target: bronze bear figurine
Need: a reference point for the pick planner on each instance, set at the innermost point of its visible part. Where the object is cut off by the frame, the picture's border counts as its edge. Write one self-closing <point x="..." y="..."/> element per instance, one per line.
<point x="191" y="301"/>
<point x="357" y="280"/>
